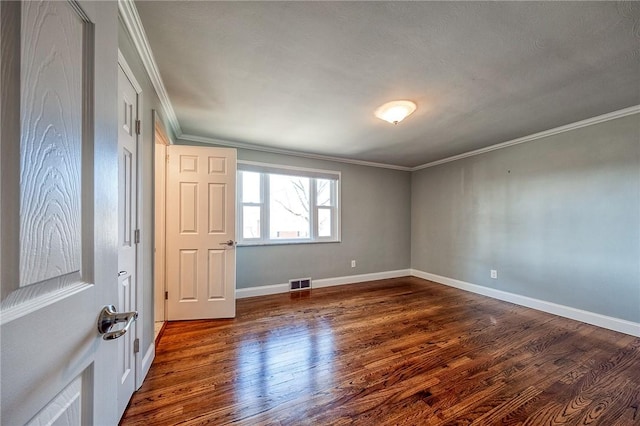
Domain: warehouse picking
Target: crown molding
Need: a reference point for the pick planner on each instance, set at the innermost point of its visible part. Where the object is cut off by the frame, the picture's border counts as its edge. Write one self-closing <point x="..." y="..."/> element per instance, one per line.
<point x="566" y="128"/>
<point x="129" y="16"/>
<point x="241" y="145"/>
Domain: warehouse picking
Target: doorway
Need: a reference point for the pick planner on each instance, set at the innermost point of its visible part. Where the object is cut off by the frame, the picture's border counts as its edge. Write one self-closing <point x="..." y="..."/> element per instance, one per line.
<point x="160" y="143"/>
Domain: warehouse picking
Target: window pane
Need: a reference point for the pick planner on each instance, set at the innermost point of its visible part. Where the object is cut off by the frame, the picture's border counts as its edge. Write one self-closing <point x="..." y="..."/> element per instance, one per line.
<point x="324" y="222"/>
<point x="289" y="207"/>
<point x="250" y="187"/>
<point x="250" y="222"/>
<point x="323" y="194"/>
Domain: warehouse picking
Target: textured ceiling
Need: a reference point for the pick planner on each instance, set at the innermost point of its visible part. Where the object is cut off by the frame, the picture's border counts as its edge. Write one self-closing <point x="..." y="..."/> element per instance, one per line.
<point x="307" y="76"/>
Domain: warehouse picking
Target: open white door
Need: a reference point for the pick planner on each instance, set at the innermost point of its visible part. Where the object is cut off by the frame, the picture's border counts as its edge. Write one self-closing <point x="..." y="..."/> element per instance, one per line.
<point x="201" y="260"/>
<point x="58" y="215"/>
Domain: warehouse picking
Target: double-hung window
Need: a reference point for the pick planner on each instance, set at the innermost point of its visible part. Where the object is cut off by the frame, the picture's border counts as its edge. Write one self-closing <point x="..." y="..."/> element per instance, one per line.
<point x="284" y="205"/>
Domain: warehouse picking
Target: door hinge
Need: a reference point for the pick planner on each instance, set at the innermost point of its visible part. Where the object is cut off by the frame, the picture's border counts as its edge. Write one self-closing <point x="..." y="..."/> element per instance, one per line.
<point x="136" y="236"/>
<point x="166" y="295"/>
<point x="136" y="346"/>
<point x="138" y="125"/>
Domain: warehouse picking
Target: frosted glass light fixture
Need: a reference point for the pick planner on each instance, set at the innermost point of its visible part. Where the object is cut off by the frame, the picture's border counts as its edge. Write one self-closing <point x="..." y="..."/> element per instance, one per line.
<point x="395" y="111"/>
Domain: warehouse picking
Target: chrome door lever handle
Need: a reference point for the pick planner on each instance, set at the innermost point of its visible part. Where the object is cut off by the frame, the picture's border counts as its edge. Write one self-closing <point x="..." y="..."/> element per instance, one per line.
<point x="110" y="317"/>
<point x="121" y="273"/>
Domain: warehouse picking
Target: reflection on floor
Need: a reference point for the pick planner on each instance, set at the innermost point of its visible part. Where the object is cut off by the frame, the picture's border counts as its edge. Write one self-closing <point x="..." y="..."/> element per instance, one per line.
<point x="402" y="351"/>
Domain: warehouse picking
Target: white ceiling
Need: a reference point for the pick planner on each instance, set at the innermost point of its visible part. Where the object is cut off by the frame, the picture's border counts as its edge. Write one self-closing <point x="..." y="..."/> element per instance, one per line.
<point x="307" y="76"/>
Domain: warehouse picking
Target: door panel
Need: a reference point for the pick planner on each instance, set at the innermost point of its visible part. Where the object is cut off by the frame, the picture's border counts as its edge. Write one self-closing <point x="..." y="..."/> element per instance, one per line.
<point x="217" y="273"/>
<point x="127" y="247"/>
<point x="55" y="368"/>
<point x="200" y="221"/>
<point x="188" y="208"/>
<point x="65" y="409"/>
<point x="53" y="88"/>
<point x="217" y="208"/>
<point x="188" y="275"/>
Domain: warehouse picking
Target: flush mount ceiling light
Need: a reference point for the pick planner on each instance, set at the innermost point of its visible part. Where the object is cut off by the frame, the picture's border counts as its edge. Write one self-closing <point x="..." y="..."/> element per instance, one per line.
<point x="395" y="111"/>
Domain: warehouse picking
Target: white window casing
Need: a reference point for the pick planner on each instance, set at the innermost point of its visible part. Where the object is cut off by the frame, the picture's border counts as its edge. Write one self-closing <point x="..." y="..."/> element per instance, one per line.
<point x="329" y="211"/>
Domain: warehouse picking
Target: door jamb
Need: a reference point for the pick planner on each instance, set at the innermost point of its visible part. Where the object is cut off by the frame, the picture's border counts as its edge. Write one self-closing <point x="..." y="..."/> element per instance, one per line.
<point x="159" y="286"/>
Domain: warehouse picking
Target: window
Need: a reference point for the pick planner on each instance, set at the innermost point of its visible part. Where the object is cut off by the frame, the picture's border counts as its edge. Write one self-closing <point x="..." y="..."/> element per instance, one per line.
<point x="284" y="205"/>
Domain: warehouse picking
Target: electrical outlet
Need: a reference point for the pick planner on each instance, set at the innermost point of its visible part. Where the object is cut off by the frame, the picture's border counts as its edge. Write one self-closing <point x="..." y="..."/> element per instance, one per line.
<point x="353" y="263"/>
<point x="494" y="274"/>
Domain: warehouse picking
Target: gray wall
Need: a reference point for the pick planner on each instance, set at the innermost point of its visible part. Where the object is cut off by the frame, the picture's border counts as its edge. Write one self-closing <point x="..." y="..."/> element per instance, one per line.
<point x="375" y="217"/>
<point x="559" y="218"/>
<point x="150" y="102"/>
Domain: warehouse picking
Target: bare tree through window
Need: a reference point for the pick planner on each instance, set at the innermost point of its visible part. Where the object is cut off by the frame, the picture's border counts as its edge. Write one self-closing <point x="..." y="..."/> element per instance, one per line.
<point x="293" y="207"/>
<point x="296" y="199"/>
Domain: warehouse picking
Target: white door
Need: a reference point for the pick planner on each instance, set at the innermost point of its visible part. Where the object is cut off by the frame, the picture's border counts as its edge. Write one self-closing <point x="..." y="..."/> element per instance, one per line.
<point x="58" y="215"/>
<point x="201" y="261"/>
<point x="127" y="241"/>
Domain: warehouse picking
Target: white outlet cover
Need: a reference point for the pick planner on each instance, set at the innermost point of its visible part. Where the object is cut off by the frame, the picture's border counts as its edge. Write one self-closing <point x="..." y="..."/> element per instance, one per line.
<point x="494" y="273"/>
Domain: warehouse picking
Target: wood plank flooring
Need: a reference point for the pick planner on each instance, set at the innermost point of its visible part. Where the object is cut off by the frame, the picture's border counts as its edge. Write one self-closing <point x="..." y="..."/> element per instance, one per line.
<point x="390" y="352"/>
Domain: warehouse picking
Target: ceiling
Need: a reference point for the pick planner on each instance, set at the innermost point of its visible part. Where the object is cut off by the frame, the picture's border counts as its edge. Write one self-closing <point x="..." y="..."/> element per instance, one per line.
<point x="307" y="76"/>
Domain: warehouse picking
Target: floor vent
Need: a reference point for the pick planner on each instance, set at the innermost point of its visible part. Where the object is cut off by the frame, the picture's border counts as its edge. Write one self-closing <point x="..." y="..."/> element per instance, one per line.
<point x="300" y="284"/>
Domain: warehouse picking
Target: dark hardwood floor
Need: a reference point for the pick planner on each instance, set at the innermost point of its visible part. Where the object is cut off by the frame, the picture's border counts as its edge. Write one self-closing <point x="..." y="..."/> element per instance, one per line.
<point x="399" y="351"/>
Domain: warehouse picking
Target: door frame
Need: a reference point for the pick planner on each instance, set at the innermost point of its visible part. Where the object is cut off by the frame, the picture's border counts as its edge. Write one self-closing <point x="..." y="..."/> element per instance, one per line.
<point x="160" y="142"/>
<point x="139" y="306"/>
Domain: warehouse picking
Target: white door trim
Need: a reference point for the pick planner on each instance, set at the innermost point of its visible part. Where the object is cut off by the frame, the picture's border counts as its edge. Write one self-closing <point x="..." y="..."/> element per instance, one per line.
<point x="160" y="143"/>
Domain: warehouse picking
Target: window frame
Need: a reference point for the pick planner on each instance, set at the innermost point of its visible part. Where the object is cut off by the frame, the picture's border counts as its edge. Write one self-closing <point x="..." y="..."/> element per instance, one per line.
<point x="266" y="169"/>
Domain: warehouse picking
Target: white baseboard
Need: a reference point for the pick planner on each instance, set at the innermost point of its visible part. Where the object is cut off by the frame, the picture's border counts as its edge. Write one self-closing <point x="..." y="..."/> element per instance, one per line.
<point x="611" y="323"/>
<point x="264" y="290"/>
<point x="241" y="293"/>
<point x="146" y="364"/>
<point x="351" y="279"/>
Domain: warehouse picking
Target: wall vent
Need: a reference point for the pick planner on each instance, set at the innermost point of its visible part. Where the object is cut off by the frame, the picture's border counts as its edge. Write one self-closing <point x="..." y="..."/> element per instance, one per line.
<point x="300" y="284"/>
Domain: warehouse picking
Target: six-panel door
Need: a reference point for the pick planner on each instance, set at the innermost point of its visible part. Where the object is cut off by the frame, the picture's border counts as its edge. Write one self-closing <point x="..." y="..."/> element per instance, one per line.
<point x="201" y="232"/>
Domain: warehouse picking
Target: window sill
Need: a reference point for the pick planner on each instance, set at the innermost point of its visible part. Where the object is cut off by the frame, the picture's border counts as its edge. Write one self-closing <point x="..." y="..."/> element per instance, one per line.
<point x="285" y="243"/>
